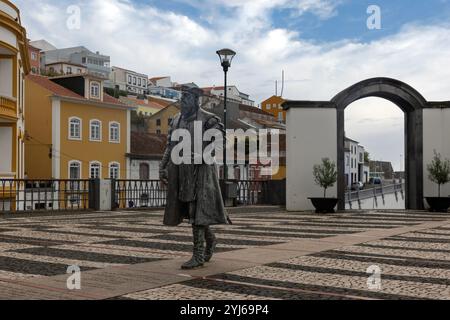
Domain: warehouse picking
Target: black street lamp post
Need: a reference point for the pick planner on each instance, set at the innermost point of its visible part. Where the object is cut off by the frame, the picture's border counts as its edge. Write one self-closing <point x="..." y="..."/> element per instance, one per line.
<point x="226" y="56"/>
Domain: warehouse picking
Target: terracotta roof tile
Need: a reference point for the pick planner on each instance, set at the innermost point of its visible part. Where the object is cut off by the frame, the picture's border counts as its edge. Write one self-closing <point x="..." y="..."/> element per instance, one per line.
<point x="244" y="107"/>
<point x="147" y="144"/>
<point x="110" y="99"/>
<point x="53" y="87"/>
<point x="161" y="102"/>
<point x="64" y="92"/>
<point x="139" y="102"/>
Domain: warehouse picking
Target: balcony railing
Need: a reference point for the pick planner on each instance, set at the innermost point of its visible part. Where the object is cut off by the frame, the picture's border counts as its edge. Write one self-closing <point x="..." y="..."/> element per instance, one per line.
<point x="8" y="106"/>
<point x="10" y="9"/>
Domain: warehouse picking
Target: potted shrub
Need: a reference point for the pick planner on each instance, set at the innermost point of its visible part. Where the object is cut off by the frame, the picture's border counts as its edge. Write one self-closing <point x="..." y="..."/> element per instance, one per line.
<point x="439" y="173"/>
<point x="325" y="175"/>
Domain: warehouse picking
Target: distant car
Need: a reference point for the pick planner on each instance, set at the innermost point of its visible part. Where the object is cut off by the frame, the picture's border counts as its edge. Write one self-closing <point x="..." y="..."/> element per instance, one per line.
<point x="357" y="186"/>
<point x="375" y="181"/>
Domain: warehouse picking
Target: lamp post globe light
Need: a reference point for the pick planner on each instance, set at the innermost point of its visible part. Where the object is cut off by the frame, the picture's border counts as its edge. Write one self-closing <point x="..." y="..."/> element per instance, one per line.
<point x="226" y="57"/>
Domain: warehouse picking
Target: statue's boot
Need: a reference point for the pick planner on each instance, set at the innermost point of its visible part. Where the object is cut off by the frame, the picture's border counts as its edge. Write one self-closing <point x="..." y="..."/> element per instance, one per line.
<point x="198" y="257"/>
<point x="211" y="243"/>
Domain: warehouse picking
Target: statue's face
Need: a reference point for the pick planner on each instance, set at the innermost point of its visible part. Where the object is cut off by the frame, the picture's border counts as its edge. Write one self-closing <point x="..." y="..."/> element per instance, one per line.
<point x="189" y="103"/>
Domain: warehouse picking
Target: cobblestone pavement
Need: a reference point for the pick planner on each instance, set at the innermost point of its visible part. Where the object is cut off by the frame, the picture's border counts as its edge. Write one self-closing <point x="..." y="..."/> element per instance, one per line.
<point x="414" y="265"/>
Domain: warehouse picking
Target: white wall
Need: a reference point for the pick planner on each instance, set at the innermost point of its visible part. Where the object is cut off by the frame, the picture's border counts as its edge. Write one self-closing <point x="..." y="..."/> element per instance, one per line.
<point x="436" y="136"/>
<point x="153" y="165"/>
<point x="6" y="77"/>
<point x="311" y="136"/>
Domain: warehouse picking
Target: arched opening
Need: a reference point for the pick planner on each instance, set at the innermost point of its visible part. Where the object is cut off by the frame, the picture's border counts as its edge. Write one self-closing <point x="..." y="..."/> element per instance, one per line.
<point x="374" y="155"/>
<point x="411" y="103"/>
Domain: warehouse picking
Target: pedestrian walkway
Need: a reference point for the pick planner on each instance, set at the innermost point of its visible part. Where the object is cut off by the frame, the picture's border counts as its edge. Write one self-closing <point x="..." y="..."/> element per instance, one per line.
<point x="266" y="254"/>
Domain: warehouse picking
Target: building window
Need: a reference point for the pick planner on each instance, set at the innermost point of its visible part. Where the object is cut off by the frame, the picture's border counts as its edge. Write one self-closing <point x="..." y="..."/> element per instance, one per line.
<point x="144" y="171"/>
<point x="169" y="121"/>
<point x="280" y="116"/>
<point x="139" y="82"/>
<point x="69" y="70"/>
<point x="95" y="130"/>
<point x="129" y="79"/>
<point x="95" y="170"/>
<point x="33" y="70"/>
<point x="114" y="170"/>
<point x="95" y="90"/>
<point x="158" y="131"/>
<point x="114" y="132"/>
<point x="79" y="71"/>
<point x="74" y="170"/>
<point x="268" y="106"/>
<point x="83" y="60"/>
<point x="75" y="128"/>
<point x="158" y="122"/>
<point x="33" y="56"/>
<point x="134" y="80"/>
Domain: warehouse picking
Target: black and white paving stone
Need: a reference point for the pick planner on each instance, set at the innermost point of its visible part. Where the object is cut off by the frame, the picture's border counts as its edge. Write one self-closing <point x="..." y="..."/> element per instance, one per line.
<point x="414" y="265"/>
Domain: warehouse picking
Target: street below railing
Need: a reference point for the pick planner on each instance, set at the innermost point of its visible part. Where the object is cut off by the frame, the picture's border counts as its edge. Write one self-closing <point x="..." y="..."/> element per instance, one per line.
<point x="378" y="194"/>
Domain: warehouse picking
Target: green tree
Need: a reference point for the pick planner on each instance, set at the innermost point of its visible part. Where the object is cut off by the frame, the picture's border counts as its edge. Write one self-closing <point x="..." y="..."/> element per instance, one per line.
<point x="325" y="175"/>
<point x="439" y="171"/>
<point x="366" y="157"/>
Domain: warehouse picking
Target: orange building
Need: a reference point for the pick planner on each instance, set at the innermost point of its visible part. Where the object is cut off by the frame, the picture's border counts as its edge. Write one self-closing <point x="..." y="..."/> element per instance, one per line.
<point x="273" y="106"/>
<point x="76" y="133"/>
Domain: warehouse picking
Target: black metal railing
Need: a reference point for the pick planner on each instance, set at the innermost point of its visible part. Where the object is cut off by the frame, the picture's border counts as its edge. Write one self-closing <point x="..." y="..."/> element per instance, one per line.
<point x="43" y="195"/>
<point x="134" y="194"/>
<point x="67" y="195"/>
<point x="251" y="192"/>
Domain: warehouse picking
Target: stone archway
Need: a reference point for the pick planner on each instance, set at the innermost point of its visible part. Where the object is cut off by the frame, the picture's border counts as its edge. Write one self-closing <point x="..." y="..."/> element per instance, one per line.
<point x="315" y="130"/>
<point x="412" y="104"/>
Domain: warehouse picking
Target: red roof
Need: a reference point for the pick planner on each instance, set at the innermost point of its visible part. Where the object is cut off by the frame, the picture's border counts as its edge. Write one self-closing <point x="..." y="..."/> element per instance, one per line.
<point x="147" y="144"/>
<point x="244" y="107"/>
<point x="158" y="78"/>
<point x="162" y="102"/>
<point x="53" y="87"/>
<point x="64" y="92"/>
<point x="150" y="104"/>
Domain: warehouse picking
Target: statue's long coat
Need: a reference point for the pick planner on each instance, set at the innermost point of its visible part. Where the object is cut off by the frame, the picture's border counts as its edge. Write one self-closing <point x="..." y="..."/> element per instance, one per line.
<point x="209" y="208"/>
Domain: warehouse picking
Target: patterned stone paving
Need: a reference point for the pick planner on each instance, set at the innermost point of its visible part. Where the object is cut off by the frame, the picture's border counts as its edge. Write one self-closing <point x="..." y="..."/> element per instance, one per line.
<point x="414" y="265"/>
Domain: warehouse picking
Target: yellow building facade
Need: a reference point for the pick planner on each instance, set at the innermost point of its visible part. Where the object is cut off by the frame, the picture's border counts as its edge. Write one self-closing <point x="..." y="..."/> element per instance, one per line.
<point x="159" y="122"/>
<point x="143" y="107"/>
<point x="72" y="136"/>
<point x="273" y="106"/>
<point x="14" y="66"/>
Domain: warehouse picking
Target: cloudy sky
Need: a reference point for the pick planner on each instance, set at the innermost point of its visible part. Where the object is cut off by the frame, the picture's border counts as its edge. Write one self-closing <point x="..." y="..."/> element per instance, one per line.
<point x="324" y="46"/>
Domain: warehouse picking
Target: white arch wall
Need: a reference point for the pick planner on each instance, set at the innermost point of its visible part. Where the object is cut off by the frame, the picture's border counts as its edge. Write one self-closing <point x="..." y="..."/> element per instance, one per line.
<point x="311" y="136"/>
<point x="436" y="136"/>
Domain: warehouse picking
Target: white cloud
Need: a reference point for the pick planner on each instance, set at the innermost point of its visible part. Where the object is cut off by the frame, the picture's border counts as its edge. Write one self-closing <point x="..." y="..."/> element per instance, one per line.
<point x="157" y="42"/>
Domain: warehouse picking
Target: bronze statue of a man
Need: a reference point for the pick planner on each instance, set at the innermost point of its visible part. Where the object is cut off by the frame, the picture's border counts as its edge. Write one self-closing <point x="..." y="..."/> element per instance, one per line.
<point x="193" y="190"/>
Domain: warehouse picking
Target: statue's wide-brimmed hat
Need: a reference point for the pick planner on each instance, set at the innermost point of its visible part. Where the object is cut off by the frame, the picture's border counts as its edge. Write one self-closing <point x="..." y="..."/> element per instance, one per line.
<point x="197" y="92"/>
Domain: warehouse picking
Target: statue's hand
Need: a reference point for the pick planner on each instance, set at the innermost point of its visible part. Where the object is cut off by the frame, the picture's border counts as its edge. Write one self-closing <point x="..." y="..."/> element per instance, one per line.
<point x="163" y="176"/>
